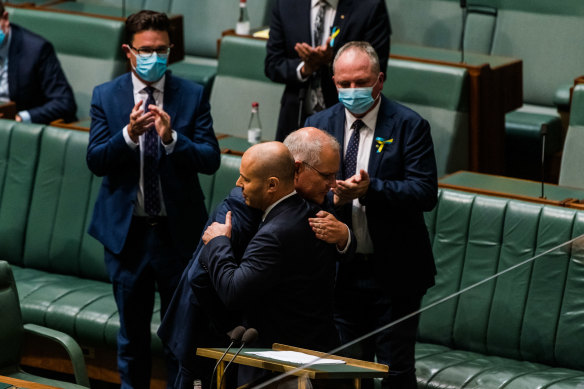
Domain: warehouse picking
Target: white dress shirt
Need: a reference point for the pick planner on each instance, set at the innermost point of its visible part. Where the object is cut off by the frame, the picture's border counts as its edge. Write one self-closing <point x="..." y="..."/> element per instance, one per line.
<point x="358" y="215"/>
<point x="141" y="95"/>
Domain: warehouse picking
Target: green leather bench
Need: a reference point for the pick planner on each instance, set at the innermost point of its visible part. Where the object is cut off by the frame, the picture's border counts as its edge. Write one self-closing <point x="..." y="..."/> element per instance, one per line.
<point x="521" y="330"/>
<point x="88" y="48"/>
<point x="440" y="94"/>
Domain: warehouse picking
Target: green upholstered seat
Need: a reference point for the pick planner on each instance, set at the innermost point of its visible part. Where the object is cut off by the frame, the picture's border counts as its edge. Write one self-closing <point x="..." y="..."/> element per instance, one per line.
<point x="225" y="179"/>
<point x="19" y="150"/>
<point x="572" y="168"/>
<point x="440" y="94"/>
<point x="523" y="329"/>
<point x="88" y="48"/>
<point x="12" y="334"/>
<point x="240" y="81"/>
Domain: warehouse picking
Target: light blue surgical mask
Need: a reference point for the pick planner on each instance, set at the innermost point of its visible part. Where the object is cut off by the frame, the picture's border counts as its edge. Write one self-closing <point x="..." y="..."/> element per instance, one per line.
<point x="357" y="100"/>
<point x="151" y="67"/>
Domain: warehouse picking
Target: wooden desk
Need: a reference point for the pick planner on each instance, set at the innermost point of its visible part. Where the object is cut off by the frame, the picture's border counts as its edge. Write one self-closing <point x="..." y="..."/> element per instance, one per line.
<point x="513" y="188"/>
<point x="353" y="369"/>
<point x="24" y="384"/>
<point x="496" y="87"/>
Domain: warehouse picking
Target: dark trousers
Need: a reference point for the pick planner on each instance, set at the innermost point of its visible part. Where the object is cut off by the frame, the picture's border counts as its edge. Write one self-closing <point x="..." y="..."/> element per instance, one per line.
<point x="363" y="305"/>
<point x="148" y="261"/>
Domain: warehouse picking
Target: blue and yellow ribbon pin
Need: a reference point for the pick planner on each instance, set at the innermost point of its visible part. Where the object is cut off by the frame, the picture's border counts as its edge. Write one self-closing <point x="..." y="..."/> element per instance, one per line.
<point x="382" y="142"/>
<point x="334" y="34"/>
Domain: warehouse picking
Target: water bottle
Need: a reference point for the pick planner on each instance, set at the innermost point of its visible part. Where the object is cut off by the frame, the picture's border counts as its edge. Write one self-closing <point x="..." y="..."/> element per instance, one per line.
<point x="197" y="384"/>
<point x="243" y="26"/>
<point x="254" y="129"/>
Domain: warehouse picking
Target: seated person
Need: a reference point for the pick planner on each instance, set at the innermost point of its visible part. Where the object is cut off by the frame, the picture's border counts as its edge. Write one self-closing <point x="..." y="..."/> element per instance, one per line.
<point x="31" y="76"/>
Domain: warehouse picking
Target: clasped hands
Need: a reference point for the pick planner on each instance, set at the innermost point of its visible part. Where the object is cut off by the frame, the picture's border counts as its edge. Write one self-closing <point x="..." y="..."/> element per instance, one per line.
<point x="140" y="122"/>
<point x="314" y="57"/>
<point x="352" y="188"/>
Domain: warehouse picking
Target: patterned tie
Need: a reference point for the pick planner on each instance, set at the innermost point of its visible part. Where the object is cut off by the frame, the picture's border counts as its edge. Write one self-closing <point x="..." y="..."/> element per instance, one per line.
<point x="350" y="165"/>
<point x="151" y="194"/>
<point x="316" y="97"/>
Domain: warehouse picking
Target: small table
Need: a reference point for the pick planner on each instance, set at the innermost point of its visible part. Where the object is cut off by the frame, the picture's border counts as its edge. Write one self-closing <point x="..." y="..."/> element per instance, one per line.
<point x="352" y="369"/>
<point x="16" y="383"/>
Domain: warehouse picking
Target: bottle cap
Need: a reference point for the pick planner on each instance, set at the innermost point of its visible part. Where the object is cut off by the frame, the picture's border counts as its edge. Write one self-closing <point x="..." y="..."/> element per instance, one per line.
<point x="255" y="104"/>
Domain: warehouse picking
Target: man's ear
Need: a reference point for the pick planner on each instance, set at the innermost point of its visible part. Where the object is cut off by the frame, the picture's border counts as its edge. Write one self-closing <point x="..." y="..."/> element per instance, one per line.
<point x="298" y="167"/>
<point x="273" y="184"/>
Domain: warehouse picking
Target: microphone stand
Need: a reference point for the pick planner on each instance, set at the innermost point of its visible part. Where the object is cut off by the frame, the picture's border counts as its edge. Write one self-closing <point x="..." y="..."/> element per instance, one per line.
<point x="249" y="336"/>
<point x="301" y="98"/>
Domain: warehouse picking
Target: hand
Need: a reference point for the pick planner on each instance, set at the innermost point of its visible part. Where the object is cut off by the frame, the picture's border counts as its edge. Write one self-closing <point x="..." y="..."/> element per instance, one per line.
<point x="326" y="227"/>
<point x="218" y="229"/>
<point x="140" y="122"/>
<point x="313" y="57"/>
<point x="352" y="188"/>
<point x="161" y="123"/>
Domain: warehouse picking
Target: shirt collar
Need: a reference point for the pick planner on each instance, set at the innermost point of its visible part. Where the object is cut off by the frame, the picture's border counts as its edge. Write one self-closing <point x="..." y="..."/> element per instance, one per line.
<point x="139" y="85"/>
<point x="332" y="3"/>
<point x="276" y="203"/>
<point x="370" y="119"/>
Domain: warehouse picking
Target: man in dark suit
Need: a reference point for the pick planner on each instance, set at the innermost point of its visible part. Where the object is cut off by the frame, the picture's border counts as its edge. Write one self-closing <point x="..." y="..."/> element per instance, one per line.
<point x="388" y="179"/>
<point x="151" y="133"/>
<point x="31" y="76"/>
<point x="299" y="51"/>
<point x="186" y="323"/>
<point x="284" y="283"/>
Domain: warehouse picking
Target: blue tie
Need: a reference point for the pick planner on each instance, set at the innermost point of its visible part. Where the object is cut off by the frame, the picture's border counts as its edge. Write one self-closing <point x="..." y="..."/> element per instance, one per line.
<point x="350" y="163"/>
<point x="151" y="194"/>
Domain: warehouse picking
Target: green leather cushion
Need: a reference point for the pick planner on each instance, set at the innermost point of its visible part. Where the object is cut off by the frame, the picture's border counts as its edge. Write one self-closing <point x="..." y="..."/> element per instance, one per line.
<point x="84" y="36"/>
<point x="225" y="179"/>
<point x="61" y="207"/>
<point x="532" y="313"/>
<point x="19" y="149"/>
<point x="524" y="128"/>
<point x="82" y="308"/>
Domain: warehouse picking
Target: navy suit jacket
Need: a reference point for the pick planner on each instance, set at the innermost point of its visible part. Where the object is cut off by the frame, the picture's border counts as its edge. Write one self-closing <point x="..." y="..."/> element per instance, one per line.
<point x="358" y="20"/>
<point x="185" y="324"/>
<point x="36" y="81"/>
<point x="108" y="155"/>
<point x="403" y="185"/>
<point x="285" y="281"/>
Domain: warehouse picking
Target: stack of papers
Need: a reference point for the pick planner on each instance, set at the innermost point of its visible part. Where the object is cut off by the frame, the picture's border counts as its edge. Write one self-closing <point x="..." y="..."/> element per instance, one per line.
<point x="296" y="357"/>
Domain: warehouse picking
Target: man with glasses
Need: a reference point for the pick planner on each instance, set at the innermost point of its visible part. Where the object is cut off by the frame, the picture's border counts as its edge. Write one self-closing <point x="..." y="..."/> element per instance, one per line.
<point x="186" y="324"/>
<point x="151" y="134"/>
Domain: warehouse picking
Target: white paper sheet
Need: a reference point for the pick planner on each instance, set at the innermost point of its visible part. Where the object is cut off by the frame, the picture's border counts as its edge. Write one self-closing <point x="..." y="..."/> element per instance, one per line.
<point x="296" y="357"/>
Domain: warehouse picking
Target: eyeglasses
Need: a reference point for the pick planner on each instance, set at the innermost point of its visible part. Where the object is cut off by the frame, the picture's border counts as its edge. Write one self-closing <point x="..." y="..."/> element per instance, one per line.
<point x="149" y="52"/>
<point x="329" y="177"/>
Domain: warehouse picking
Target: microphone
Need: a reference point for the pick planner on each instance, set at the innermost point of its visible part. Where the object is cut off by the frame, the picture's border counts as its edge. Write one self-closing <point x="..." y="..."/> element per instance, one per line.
<point x="301" y="97"/>
<point x="544" y="130"/>
<point x="235" y="336"/>
<point x="249" y="336"/>
<point x="463" y="7"/>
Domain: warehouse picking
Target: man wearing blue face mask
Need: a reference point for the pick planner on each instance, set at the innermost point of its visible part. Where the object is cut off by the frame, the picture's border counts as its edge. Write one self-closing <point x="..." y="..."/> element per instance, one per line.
<point x="386" y="180"/>
<point x="151" y="134"/>
<point x="31" y="76"/>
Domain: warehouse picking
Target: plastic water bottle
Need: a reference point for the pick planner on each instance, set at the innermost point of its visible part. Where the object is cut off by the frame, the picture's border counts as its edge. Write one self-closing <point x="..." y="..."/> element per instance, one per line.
<point x="197" y="384"/>
<point x="243" y="26"/>
<point x="254" y="129"/>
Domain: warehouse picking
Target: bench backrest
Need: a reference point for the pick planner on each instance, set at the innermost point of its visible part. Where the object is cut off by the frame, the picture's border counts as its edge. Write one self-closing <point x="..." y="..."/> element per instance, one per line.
<point x="19" y="151"/>
<point x="89" y="48"/>
<point x="240" y="81"/>
<point x="440" y="94"/>
<point x="532" y="313"/>
<point x="61" y="207"/>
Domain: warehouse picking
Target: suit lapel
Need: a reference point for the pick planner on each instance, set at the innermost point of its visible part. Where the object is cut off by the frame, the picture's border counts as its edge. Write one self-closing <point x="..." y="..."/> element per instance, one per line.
<point x="383" y="129"/>
<point x="14" y="63"/>
<point x="337" y="124"/>
<point x="124" y="99"/>
<point x="342" y="15"/>
<point x="304" y="20"/>
<point x="172" y="96"/>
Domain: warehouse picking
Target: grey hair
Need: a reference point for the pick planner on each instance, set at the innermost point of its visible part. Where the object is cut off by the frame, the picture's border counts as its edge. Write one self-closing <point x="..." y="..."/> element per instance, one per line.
<point x="308" y="148"/>
<point x="364" y="47"/>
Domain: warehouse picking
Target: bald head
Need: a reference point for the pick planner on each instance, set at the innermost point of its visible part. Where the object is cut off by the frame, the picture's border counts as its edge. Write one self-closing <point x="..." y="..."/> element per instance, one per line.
<point x="266" y="174"/>
<point x="308" y="143"/>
